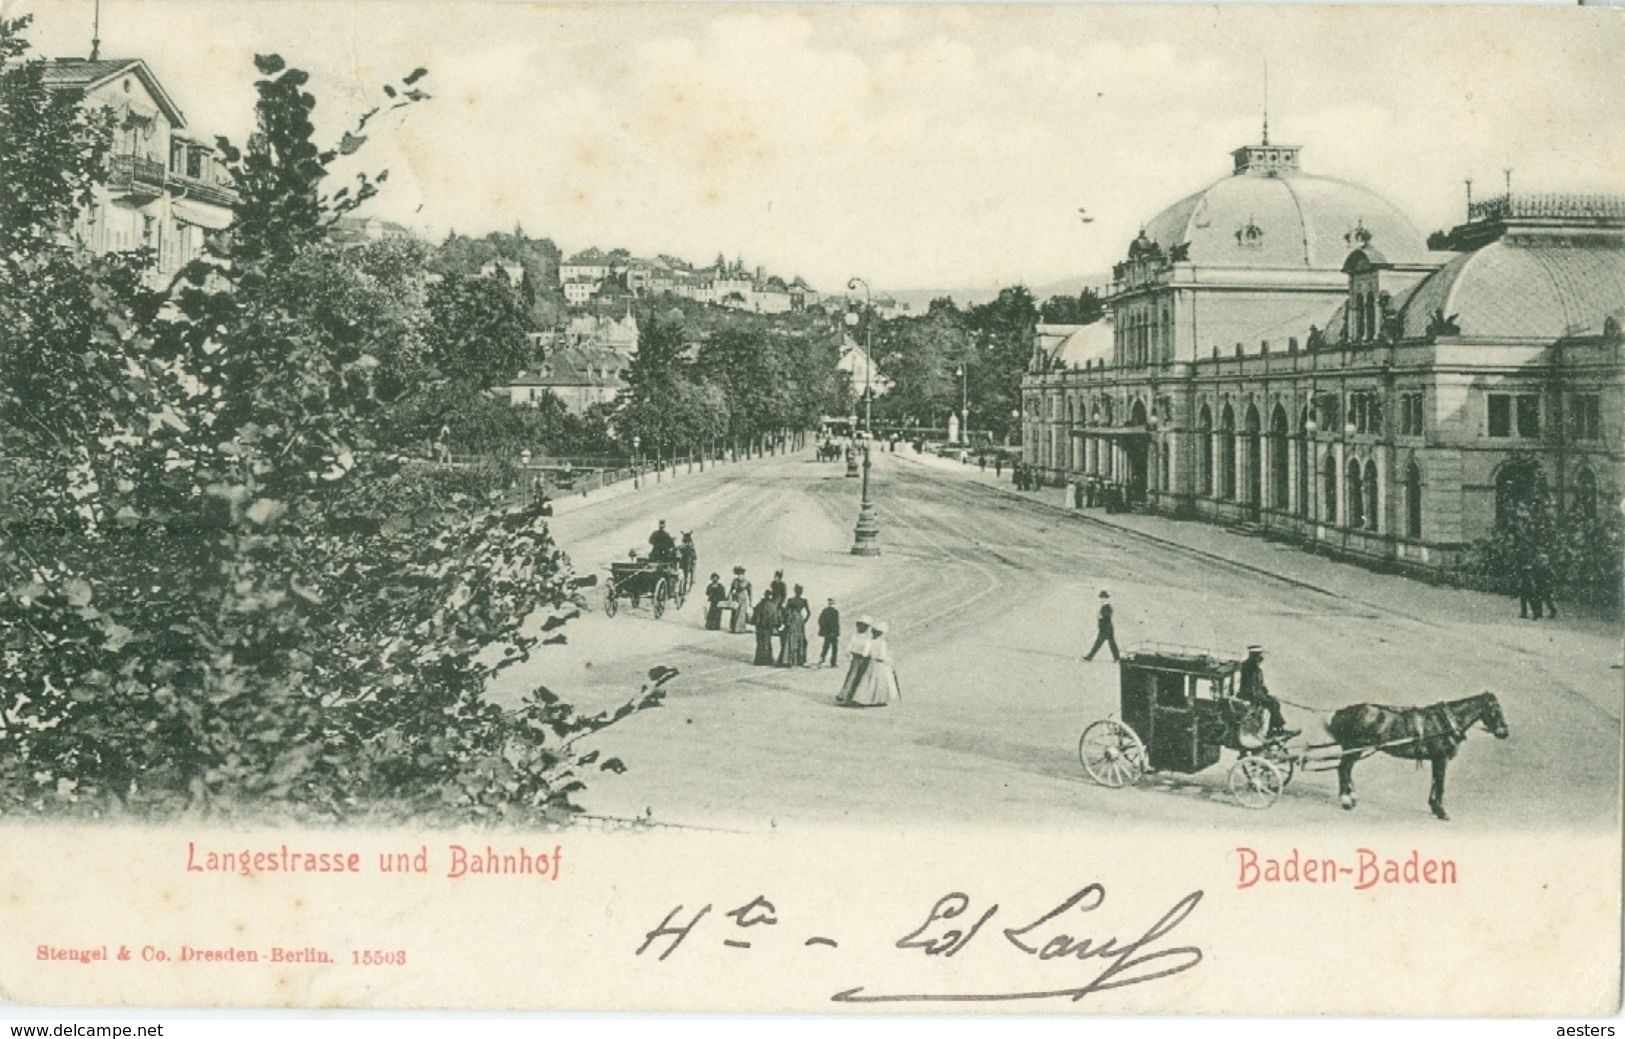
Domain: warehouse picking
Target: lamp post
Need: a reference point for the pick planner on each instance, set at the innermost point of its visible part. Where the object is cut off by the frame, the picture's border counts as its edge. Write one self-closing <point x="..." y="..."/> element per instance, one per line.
<point x="866" y="534"/>
<point x="524" y="477"/>
<point x="964" y="405"/>
<point x="868" y="348"/>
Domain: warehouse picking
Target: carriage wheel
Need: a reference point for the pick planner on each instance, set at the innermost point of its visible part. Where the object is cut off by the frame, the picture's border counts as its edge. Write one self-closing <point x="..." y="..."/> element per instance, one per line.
<point x="1283" y="761"/>
<point x="1111" y="753"/>
<point x="1255" y="782"/>
<point x="660" y="598"/>
<point x="609" y="600"/>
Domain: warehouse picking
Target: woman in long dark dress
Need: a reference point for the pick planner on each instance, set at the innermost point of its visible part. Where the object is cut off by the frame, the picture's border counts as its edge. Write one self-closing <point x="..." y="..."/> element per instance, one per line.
<point x="767" y="620"/>
<point x="715" y="594"/>
<point x="740" y="593"/>
<point x="793" y="647"/>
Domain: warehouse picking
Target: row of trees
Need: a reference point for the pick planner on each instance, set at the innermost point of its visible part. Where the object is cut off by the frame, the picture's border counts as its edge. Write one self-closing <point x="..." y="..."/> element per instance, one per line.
<point x="738" y="382"/>
<point x="975" y="354"/>
<point x="201" y="607"/>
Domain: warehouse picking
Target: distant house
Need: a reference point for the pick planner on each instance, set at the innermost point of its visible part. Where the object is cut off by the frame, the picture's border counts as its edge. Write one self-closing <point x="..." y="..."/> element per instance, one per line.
<point x="355" y="232"/>
<point x="855" y="361"/>
<point x="165" y="190"/>
<point x="802" y="295"/>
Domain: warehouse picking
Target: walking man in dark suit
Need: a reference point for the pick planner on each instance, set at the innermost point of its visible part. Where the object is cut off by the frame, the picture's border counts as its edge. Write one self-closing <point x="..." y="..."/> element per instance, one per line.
<point x="1105" y="634"/>
<point x="829" y="629"/>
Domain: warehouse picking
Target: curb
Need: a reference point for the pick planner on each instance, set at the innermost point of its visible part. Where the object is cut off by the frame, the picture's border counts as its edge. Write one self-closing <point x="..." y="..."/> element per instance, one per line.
<point x="1081" y="517"/>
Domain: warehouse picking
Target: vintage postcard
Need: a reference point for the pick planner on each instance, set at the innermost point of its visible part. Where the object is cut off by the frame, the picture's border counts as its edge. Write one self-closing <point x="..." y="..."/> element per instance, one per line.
<point x="831" y="508"/>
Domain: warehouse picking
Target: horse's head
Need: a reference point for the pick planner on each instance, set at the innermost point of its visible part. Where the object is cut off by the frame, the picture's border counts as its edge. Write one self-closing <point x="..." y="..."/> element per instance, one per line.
<point x="1492" y="717"/>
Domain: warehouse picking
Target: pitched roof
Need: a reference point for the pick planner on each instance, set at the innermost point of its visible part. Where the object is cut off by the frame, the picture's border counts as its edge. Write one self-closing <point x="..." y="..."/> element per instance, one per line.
<point x="81" y="74"/>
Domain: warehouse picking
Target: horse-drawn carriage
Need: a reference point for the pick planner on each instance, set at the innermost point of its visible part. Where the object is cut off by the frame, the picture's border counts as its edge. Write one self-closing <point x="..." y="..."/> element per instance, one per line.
<point x="1182" y="707"/>
<point x="638" y="579"/>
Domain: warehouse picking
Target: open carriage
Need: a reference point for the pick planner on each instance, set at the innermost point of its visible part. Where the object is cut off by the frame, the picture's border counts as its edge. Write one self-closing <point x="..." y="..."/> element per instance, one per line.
<point x="636" y="580"/>
<point x="1180" y="709"/>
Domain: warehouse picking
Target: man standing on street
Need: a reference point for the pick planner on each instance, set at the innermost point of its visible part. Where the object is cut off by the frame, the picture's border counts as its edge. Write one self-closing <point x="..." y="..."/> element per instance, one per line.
<point x="829" y="629"/>
<point x="1105" y="634"/>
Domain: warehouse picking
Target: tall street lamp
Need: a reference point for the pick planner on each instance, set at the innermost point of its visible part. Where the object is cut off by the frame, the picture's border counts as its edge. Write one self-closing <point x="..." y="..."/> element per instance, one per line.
<point x="964" y="405"/>
<point x="868" y="348"/>
<point x="867" y="532"/>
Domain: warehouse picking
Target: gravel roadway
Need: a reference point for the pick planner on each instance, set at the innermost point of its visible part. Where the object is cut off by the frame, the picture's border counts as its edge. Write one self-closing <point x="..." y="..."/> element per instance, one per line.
<point x="991" y="601"/>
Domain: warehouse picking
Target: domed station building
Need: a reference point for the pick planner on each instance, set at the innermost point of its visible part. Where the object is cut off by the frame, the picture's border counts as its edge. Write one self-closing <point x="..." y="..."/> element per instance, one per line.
<point x="1289" y="354"/>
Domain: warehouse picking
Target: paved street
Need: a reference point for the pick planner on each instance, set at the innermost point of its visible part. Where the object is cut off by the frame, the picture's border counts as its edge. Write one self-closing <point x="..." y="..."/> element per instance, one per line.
<point x="991" y="599"/>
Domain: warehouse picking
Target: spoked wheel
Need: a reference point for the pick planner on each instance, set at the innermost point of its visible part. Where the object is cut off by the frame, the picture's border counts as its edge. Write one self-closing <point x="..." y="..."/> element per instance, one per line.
<point x="1111" y="753"/>
<point x="659" y="598"/>
<point x="609" y="600"/>
<point x="1283" y="760"/>
<point x="1255" y="782"/>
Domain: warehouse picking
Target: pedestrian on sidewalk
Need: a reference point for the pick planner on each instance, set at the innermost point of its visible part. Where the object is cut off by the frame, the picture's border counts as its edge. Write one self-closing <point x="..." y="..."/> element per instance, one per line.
<point x="1528" y="600"/>
<point x="829" y="630"/>
<point x="981" y="462"/>
<point x="1545" y="579"/>
<point x="740" y="592"/>
<point x="767" y="620"/>
<point x="879" y="685"/>
<point x="793" y="647"/>
<point x="998" y="466"/>
<point x="857" y="661"/>
<point x="1105" y="633"/>
<point x="715" y="595"/>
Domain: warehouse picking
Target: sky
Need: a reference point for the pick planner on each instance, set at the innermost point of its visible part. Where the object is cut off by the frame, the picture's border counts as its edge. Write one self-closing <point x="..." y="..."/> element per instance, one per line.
<point x="917" y="146"/>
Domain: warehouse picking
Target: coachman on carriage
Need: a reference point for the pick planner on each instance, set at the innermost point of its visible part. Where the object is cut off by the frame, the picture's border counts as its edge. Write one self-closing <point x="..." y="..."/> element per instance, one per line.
<point x="1180" y="708"/>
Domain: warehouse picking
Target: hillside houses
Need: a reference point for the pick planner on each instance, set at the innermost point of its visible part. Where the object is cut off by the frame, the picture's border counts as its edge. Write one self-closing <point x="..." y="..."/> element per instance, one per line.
<point x="593" y="277"/>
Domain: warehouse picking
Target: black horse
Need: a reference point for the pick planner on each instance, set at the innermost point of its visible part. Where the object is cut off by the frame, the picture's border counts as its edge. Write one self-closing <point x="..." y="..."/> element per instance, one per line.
<point x="1415" y="733"/>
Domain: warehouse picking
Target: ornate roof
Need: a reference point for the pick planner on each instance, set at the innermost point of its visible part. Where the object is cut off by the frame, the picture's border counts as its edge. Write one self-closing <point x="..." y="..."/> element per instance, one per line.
<point x="1092" y="344"/>
<point x="1281" y="217"/>
<point x="1514" y="291"/>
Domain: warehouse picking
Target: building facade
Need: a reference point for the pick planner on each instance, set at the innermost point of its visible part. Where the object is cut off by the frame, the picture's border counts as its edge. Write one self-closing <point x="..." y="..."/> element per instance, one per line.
<point x="166" y="190"/>
<point x="1288" y="354"/>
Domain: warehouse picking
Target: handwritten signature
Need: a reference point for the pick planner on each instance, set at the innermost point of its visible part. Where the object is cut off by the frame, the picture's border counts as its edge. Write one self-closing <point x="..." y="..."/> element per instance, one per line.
<point x="952" y="924"/>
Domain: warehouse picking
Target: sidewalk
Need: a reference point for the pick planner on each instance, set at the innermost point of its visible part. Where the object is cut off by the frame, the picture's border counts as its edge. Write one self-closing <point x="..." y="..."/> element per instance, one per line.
<point x="567" y="502"/>
<point x="1291" y="563"/>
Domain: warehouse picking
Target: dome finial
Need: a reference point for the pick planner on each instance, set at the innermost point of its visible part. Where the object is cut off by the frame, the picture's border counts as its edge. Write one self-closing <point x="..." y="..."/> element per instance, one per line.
<point x="1266" y="101"/>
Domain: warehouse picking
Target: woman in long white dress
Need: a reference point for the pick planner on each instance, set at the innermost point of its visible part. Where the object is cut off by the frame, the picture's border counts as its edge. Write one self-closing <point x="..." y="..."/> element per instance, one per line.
<point x="857" y="661"/>
<point x="878" y="686"/>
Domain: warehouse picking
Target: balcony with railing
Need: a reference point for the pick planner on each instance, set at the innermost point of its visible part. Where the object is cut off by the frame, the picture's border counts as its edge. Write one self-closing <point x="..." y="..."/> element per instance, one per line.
<point x="202" y="190"/>
<point x="135" y="177"/>
<point x="1551" y="206"/>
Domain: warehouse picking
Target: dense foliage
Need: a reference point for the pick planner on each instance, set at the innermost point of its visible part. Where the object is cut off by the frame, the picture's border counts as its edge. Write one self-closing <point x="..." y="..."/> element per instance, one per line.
<point x="1578" y="550"/>
<point x="201" y="606"/>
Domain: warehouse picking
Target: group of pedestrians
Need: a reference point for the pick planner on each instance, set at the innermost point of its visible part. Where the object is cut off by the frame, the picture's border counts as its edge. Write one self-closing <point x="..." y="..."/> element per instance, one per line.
<point x="1535" y="582"/>
<point x="781" y="616"/>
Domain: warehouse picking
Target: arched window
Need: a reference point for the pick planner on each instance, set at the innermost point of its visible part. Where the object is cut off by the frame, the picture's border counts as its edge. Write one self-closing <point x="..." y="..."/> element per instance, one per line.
<point x="1585" y="493"/>
<point x="1108" y="410"/>
<point x="1303" y="462"/>
<point x="1359" y="318"/>
<point x="1227" y="454"/>
<point x="1413" y="502"/>
<point x="1254" y="447"/>
<point x="1328" y="471"/>
<point x="1373" y="508"/>
<point x="1520" y="486"/>
<point x="1356" y="495"/>
<point x="1204" y="434"/>
<point x="1371" y="316"/>
<point x="1278" y="459"/>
